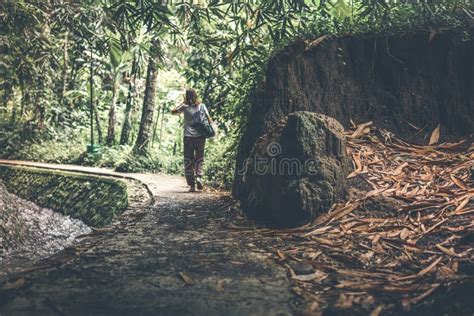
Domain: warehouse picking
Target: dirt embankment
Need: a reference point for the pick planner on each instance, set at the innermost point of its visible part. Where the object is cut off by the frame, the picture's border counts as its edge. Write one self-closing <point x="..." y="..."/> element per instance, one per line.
<point x="406" y="83"/>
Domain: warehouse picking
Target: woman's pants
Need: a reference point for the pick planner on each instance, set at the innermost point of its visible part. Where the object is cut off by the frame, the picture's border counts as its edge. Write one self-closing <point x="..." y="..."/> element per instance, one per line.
<point x="193" y="158"/>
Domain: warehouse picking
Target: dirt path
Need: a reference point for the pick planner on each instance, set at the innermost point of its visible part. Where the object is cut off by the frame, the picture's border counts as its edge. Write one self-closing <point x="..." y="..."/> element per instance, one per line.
<point x="179" y="256"/>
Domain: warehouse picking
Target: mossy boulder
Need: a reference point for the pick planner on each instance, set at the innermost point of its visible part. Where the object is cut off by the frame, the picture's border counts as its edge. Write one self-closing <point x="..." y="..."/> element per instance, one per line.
<point x="296" y="171"/>
<point x="94" y="200"/>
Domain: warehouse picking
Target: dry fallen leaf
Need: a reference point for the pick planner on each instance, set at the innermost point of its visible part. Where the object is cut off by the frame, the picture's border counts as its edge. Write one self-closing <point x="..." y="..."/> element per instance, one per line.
<point x="187" y="279"/>
<point x="361" y="129"/>
<point x="457" y="181"/>
<point x="404" y="234"/>
<point x="376" y="311"/>
<point x="312" y="309"/>
<point x="317" y="276"/>
<point x="444" y="272"/>
<point x="430" y="267"/>
<point x="14" y="285"/>
<point x="281" y="254"/>
<point x="449" y="252"/>
<point x="220" y="285"/>
<point x="316" y="42"/>
<point x="344" y="301"/>
<point x="434" y="136"/>
<point x="408" y="302"/>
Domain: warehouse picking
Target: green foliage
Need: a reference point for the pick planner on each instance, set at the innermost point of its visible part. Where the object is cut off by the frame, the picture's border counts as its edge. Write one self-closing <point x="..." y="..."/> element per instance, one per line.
<point x="139" y="163"/>
<point x="220" y="162"/>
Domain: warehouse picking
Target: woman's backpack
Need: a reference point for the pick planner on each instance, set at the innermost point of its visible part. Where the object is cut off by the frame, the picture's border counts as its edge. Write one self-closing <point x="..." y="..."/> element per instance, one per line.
<point x="202" y="124"/>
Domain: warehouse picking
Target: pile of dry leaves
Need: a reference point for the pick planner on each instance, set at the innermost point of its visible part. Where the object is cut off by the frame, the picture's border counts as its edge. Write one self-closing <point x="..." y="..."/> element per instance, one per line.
<point x="396" y="243"/>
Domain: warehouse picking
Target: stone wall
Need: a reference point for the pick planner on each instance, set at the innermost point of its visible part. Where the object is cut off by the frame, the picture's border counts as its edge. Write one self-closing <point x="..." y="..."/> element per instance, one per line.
<point x="92" y="199"/>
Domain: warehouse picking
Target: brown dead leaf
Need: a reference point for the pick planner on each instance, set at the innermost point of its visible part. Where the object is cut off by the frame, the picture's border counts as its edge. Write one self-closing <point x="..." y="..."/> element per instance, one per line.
<point x="445" y="271"/>
<point x="430" y="267"/>
<point x="290" y="270"/>
<point x="361" y="129"/>
<point x="311" y="255"/>
<point x="339" y="213"/>
<point x="404" y="234"/>
<point x="344" y="301"/>
<point x="317" y="276"/>
<point x="400" y="169"/>
<point x="455" y="266"/>
<point x="316" y="42"/>
<point x="367" y="256"/>
<point x="457" y="181"/>
<point x="421" y="272"/>
<point x="408" y="302"/>
<point x="14" y="285"/>
<point x="312" y="309"/>
<point x="221" y="284"/>
<point x="449" y="252"/>
<point x="462" y="204"/>
<point x="187" y="279"/>
<point x="281" y="254"/>
<point x="434" y="136"/>
<point x="376" y="311"/>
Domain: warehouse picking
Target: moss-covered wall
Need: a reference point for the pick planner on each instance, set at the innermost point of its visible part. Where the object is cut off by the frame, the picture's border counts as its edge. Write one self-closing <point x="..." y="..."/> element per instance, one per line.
<point x="95" y="200"/>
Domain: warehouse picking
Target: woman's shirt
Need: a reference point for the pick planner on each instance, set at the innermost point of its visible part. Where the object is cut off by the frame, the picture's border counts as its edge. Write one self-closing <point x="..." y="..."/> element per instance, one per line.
<point x="191" y="115"/>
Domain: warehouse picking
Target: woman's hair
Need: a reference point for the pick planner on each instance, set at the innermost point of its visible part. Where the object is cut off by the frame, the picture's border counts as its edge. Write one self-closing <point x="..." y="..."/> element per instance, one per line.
<point x="191" y="98"/>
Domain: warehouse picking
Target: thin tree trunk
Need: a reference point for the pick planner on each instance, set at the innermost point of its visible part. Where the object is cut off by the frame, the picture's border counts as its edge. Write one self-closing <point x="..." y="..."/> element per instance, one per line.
<point x="127" y="121"/>
<point x="161" y="127"/>
<point x="97" y="123"/>
<point x="156" y="126"/>
<point x="112" y="115"/>
<point x="8" y="96"/>
<point x="64" y="82"/>
<point x="144" y="133"/>
<point x="13" y="118"/>
<point x="25" y="97"/>
<point x="40" y="101"/>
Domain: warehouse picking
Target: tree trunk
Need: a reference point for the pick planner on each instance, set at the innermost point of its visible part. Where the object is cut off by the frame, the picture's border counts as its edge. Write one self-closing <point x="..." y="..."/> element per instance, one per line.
<point x="127" y="121"/>
<point x="40" y="101"/>
<point x="161" y="127"/>
<point x="25" y="97"/>
<point x="112" y="115"/>
<point x="156" y="126"/>
<point x="97" y="123"/>
<point x="144" y="133"/>
<point x="65" y="72"/>
<point x="13" y="118"/>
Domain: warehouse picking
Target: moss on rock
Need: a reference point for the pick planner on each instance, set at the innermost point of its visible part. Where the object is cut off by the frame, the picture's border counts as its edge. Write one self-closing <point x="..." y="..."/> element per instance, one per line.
<point x="296" y="171"/>
<point x="93" y="199"/>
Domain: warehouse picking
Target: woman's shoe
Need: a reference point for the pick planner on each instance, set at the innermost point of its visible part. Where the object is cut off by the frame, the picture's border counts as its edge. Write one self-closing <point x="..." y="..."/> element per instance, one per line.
<point x="192" y="189"/>
<point x="199" y="184"/>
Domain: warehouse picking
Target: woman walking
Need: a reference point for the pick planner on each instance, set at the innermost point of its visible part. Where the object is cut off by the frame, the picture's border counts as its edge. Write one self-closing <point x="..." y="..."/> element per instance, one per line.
<point x="194" y="142"/>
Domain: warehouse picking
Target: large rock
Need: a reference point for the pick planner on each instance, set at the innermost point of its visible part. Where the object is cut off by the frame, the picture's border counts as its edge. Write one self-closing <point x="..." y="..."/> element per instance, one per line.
<point x="296" y="171"/>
